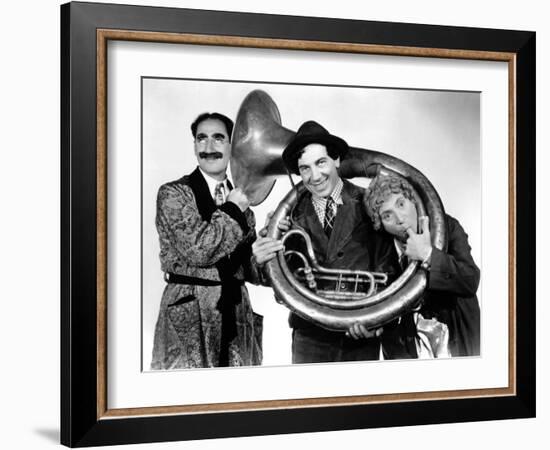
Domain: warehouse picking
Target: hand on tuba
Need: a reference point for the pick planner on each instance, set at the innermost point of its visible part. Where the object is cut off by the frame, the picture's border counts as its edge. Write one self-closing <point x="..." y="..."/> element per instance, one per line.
<point x="283" y="225"/>
<point x="239" y="198"/>
<point x="264" y="249"/>
<point x="359" y="331"/>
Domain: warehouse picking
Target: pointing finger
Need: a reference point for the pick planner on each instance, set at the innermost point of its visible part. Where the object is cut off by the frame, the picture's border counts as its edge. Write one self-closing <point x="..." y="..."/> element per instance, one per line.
<point x="424" y="224"/>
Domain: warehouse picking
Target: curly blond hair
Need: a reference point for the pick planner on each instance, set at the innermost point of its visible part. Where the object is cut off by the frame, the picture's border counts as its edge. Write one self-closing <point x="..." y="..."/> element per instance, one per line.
<point x="379" y="190"/>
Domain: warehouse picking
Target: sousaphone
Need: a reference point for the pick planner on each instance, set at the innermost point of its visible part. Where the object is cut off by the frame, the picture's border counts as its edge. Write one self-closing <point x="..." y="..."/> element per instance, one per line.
<point x="258" y="142"/>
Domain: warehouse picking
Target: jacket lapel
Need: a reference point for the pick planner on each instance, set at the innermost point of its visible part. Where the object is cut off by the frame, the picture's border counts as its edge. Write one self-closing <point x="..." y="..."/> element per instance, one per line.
<point x="344" y="222"/>
<point x="205" y="202"/>
<point x="306" y="217"/>
<point x="315" y="227"/>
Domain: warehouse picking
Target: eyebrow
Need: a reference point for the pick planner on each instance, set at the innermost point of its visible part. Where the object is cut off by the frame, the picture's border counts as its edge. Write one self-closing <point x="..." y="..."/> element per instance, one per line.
<point x="214" y="135"/>
<point x="317" y="161"/>
<point x="382" y="211"/>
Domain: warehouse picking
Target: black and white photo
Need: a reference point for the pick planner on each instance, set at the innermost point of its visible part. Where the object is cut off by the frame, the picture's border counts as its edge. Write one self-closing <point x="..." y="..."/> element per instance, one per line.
<point x="435" y="131"/>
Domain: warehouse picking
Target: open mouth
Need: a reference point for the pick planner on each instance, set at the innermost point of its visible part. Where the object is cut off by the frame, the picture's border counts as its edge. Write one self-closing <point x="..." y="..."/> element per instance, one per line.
<point x="211" y="155"/>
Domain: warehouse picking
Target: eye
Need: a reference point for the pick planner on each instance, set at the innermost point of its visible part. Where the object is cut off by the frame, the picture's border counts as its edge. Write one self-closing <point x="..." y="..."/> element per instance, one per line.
<point x="401" y="203"/>
<point x="219" y="138"/>
<point x="201" y="139"/>
<point x="322" y="162"/>
<point x="385" y="217"/>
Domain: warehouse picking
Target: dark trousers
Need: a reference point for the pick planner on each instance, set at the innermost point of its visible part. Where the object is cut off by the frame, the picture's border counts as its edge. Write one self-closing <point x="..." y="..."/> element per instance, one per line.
<point x="314" y="345"/>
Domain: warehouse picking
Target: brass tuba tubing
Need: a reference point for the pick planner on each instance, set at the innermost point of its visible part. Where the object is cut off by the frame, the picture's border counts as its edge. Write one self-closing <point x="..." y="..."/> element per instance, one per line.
<point x="325" y="273"/>
<point x="258" y="142"/>
<point x="371" y="163"/>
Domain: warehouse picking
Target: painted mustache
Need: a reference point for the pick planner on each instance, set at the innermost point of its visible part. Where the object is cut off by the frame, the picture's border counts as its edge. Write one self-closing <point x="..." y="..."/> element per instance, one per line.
<point x="210" y="155"/>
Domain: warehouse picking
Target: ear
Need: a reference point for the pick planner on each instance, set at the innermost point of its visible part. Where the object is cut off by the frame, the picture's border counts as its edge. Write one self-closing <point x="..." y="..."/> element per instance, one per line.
<point x="337" y="162"/>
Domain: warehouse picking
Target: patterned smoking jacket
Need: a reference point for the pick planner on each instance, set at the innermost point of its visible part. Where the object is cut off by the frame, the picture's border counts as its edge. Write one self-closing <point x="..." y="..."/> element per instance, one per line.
<point x="188" y="329"/>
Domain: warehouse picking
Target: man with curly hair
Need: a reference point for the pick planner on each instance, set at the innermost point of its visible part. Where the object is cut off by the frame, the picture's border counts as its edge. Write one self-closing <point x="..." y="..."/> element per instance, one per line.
<point x="453" y="277"/>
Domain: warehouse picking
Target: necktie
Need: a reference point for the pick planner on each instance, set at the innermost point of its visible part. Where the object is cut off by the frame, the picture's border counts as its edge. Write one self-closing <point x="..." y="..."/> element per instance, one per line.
<point x="330" y="213"/>
<point x="219" y="194"/>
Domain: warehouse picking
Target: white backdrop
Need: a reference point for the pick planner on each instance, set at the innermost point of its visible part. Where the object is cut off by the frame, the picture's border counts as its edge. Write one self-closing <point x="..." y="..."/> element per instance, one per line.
<point x="29" y="231"/>
<point x="433" y="130"/>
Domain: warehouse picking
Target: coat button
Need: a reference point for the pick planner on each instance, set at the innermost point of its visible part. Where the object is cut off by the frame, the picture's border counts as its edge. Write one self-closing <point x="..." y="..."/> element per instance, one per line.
<point x="340" y="254"/>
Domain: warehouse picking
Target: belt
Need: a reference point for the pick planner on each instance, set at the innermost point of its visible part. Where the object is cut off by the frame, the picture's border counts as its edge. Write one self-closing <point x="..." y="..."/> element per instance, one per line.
<point x="230" y="297"/>
<point x="185" y="279"/>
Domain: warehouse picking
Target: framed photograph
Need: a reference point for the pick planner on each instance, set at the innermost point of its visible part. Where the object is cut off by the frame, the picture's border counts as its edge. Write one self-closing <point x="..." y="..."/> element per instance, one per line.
<point x="451" y="111"/>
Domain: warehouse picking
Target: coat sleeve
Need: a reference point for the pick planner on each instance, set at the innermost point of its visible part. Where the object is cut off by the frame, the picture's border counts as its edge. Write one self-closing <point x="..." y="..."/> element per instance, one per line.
<point x="198" y="242"/>
<point x="455" y="271"/>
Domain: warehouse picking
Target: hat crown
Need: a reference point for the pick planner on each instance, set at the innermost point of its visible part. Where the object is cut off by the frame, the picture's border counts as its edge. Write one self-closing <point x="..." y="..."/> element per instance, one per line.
<point x="311" y="132"/>
<point x="311" y="129"/>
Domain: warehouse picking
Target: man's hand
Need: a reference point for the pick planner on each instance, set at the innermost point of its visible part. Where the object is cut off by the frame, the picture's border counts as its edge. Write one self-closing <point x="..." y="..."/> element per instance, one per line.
<point x="419" y="246"/>
<point x="265" y="249"/>
<point x="359" y="331"/>
<point x="240" y="199"/>
<point x="284" y="225"/>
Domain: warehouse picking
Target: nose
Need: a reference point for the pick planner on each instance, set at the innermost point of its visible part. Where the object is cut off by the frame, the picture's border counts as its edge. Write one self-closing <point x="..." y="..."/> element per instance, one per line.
<point x="400" y="218"/>
<point x="315" y="174"/>
<point x="209" y="144"/>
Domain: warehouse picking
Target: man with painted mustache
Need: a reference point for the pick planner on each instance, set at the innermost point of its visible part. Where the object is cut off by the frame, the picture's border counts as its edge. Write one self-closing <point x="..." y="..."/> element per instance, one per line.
<point x="330" y="212"/>
<point x="206" y="230"/>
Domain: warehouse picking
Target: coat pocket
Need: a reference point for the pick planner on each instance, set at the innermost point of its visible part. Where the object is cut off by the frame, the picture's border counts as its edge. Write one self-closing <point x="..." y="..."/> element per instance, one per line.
<point x="182" y="300"/>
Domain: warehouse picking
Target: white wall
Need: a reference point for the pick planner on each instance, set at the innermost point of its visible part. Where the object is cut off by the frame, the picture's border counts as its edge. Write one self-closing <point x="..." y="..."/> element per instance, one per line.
<point x="29" y="327"/>
<point x="412" y="125"/>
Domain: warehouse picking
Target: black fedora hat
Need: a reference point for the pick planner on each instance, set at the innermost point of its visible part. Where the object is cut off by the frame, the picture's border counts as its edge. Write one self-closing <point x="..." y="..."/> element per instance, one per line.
<point x="312" y="133"/>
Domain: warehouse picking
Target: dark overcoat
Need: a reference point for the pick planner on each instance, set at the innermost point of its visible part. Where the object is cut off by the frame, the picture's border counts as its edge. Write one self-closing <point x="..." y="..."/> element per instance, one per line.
<point x="450" y="298"/>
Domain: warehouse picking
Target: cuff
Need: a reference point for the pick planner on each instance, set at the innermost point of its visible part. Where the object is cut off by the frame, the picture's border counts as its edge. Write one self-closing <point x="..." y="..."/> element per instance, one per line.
<point x="236" y="214"/>
<point x="426" y="263"/>
<point x="258" y="273"/>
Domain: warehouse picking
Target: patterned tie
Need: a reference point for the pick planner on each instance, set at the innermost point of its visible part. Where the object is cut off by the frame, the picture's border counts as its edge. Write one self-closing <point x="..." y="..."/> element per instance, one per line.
<point x="330" y="213"/>
<point x="219" y="194"/>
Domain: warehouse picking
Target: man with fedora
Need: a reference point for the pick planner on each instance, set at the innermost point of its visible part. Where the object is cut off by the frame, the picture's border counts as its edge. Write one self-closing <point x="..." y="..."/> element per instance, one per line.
<point x="330" y="211"/>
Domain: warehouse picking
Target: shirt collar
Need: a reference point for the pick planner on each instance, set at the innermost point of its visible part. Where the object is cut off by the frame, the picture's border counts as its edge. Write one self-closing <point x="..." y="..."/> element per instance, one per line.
<point x="320" y="203"/>
<point x="336" y="195"/>
<point x="212" y="183"/>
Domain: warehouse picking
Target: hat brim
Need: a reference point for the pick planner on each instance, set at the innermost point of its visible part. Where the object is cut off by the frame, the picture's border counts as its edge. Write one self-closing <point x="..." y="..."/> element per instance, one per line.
<point x="336" y="148"/>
